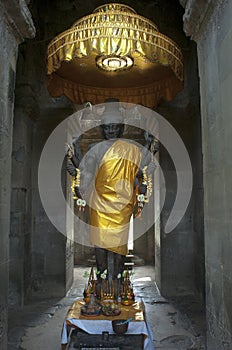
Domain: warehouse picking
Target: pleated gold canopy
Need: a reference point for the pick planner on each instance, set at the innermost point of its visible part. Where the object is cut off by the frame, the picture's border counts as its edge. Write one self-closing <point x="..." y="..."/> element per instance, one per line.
<point x="114" y="52"/>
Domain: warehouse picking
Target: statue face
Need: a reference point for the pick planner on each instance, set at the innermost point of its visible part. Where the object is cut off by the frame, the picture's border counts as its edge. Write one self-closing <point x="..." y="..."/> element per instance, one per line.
<point x="112" y="131"/>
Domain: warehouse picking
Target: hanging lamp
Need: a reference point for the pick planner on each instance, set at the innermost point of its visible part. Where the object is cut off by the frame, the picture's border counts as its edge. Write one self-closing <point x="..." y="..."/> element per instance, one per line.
<point x="114" y="52"/>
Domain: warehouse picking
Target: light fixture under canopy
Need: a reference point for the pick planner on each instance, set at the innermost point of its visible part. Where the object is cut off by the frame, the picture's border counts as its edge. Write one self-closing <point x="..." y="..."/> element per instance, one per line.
<point x="114" y="52"/>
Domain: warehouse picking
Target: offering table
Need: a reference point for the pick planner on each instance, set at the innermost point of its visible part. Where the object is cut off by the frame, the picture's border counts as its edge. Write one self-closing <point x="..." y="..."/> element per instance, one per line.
<point x="101" y="323"/>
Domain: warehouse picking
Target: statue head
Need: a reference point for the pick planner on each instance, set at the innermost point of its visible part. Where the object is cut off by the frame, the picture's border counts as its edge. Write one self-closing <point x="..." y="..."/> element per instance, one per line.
<point x="112" y="120"/>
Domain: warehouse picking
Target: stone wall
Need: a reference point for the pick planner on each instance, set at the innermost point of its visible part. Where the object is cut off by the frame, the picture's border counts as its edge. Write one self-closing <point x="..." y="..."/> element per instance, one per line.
<point x="213" y="35"/>
<point x="179" y="256"/>
<point x="52" y="251"/>
<point x="180" y="253"/>
<point x="15" y="25"/>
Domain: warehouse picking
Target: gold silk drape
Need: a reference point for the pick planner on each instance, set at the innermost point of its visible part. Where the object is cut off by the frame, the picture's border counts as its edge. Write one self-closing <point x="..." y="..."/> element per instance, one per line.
<point x="113" y="198"/>
<point x="114" y="29"/>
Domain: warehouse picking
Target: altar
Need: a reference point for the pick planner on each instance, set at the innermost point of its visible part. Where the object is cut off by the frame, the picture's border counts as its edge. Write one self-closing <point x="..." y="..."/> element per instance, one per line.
<point x="101" y="324"/>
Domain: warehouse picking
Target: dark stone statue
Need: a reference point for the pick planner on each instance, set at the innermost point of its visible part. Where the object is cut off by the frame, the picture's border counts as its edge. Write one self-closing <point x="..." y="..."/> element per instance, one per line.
<point x="113" y="163"/>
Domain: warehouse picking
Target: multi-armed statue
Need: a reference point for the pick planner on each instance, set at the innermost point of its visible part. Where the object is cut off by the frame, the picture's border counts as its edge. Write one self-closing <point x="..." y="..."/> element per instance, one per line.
<point x="113" y="178"/>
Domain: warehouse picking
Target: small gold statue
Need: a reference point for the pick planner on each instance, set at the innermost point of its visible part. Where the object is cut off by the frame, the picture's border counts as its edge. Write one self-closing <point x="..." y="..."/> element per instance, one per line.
<point x="90" y="288"/>
<point x="127" y="295"/>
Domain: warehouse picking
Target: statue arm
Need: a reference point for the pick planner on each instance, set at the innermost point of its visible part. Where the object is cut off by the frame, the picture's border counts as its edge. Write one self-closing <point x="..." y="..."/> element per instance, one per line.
<point x="86" y="165"/>
<point x="142" y="188"/>
<point x="88" y="169"/>
<point x="73" y="156"/>
<point x="150" y="148"/>
<point x="87" y="174"/>
<point x="143" y="178"/>
<point x="151" y="143"/>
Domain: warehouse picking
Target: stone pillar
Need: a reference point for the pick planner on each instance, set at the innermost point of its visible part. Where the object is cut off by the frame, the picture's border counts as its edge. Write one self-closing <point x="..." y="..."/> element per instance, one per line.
<point x="21" y="214"/>
<point x="209" y="24"/>
<point x="15" y="25"/>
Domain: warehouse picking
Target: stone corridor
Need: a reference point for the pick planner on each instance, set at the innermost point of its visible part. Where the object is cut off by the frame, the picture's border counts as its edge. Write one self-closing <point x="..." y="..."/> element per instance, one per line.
<point x="37" y="261"/>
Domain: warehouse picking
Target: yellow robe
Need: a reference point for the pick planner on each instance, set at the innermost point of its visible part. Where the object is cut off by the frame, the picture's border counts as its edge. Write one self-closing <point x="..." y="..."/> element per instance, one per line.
<point x="113" y="198"/>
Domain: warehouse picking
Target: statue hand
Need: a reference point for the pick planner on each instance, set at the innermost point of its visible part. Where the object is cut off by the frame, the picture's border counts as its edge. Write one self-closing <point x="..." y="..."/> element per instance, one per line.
<point x="80" y="202"/>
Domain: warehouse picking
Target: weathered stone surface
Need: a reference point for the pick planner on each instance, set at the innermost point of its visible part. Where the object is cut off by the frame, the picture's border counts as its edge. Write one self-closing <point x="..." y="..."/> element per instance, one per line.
<point x="177" y="341"/>
<point x="197" y="12"/>
<point x="3" y="319"/>
<point x="18" y="19"/>
<point x="214" y="53"/>
<point x="15" y="25"/>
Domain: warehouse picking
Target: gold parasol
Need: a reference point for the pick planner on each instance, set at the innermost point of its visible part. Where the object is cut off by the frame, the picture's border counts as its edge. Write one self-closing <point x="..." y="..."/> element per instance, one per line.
<point x="114" y="52"/>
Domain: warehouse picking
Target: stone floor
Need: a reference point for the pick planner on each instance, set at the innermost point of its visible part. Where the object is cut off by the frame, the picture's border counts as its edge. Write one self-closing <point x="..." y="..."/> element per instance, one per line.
<point x="177" y="324"/>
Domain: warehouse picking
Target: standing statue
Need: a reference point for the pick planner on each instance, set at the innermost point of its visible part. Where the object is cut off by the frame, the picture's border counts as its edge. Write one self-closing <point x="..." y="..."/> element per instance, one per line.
<point x="112" y="183"/>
